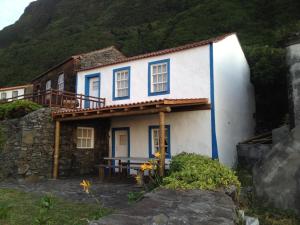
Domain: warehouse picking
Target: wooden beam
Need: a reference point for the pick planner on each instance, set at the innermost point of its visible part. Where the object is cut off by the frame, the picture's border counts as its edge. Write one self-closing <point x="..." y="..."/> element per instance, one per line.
<point x="114" y="114"/>
<point x="56" y="150"/>
<point x="162" y="146"/>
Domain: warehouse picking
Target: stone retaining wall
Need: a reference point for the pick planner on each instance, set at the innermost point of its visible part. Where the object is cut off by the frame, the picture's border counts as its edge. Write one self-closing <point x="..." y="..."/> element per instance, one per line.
<point x="28" y="146"/>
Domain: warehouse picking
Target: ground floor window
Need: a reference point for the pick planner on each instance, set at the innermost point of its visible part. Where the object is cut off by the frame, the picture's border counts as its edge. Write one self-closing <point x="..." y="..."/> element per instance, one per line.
<point x="85" y="137"/>
<point x="3" y="95"/>
<point x="15" y="94"/>
<point x="154" y="140"/>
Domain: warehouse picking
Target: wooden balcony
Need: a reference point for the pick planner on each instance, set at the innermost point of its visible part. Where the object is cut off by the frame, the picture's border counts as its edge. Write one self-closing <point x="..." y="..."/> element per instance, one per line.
<point x="61" y="99"/>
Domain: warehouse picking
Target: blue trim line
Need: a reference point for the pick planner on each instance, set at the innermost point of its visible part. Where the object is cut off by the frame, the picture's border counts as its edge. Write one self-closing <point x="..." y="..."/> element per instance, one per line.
<point x="149" y="78"/>
<point x="168" y="153"/>
<point x="87" y="87"/>
<point x="114" y="83"/>
<point x="214" y="144"/>
<point x="113" y="141"/>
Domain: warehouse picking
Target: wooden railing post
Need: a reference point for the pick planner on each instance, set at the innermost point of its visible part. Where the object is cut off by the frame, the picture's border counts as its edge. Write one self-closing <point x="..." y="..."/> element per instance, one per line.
<point x="162" y="146"/>
<point x="56" y="150"/>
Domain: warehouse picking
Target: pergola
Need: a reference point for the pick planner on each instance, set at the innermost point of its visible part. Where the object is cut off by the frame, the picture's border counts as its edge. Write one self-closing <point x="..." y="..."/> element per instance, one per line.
<point x="160" y="107"/>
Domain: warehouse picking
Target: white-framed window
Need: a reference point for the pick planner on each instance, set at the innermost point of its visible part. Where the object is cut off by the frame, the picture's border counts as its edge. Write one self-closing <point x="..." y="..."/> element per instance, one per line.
<point x="121" y="83"/>
<point x="154" y="140"/>
<point x="85" y="137"/>
<point x="15" y="94"/>
<point x="61" y="82"/>
<point x="48" y="85"/>
<point x="159" y="77"/>
<point x="3" y="95"/>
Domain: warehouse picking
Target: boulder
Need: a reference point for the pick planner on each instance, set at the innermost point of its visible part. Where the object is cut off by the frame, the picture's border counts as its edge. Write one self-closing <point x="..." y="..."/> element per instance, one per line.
<point x="169" y="207"/>
<point x="276" y="177"/>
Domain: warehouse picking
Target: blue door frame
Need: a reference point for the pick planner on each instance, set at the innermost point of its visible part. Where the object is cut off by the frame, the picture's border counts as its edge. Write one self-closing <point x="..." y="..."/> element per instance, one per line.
<point x="87" y="87"/>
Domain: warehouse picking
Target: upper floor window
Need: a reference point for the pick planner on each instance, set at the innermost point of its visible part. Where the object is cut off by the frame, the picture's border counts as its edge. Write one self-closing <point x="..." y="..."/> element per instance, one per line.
<point x="159" y="77"/>
<point x="3" y="95"/>
<point x="15" y="94"/>
<point x="85" y="137"/>
<point x="48" y="85"/>
<point x="61" y="82"/>
<point x="154" y="140"/>
<point x="121" y="83"/>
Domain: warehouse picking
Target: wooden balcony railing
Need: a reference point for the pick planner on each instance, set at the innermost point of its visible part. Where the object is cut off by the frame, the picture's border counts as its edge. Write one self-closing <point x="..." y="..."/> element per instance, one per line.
<point x="61" y="99"/>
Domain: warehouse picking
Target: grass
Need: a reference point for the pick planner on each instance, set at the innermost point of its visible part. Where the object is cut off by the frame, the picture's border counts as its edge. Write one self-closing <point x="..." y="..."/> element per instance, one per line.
<point x="19" y="208"/>
<point x="255" y="208"/>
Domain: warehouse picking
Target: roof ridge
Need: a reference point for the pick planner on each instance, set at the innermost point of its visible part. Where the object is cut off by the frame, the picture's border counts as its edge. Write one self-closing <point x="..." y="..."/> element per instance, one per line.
<point x="165" y="51"/>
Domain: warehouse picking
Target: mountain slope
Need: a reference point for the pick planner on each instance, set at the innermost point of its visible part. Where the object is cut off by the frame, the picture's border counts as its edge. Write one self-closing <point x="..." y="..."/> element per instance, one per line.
<point x="51" y="30"/>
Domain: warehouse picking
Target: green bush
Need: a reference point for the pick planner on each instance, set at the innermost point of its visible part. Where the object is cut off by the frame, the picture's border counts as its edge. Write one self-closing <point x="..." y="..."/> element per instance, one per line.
<point x="17" y="109"/>
<point x="192" y="171"/>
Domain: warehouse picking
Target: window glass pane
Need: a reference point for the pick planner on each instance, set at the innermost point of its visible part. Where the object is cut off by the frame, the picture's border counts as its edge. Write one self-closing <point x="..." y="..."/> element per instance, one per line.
<point x="164" y="68"/>
<point x="84" y="133"/>
<point x="159" y="69"/>
<point x="88" y="144"/>
<point x="15" y="94"/>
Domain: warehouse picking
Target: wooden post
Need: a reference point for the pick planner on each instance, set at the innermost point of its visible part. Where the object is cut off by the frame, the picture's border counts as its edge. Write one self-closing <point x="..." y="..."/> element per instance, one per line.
<point x="56" y="150"/>
<point x="162" y="146"/>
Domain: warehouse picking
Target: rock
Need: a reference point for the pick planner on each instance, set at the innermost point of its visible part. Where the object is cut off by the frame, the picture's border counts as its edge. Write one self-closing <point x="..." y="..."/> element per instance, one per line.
<point x="169" y="207"/>
<point x="280" y="134"/>
<point x="250" y="154"/>
<point x="23" y="168"/>
<point x="276" y="178"/>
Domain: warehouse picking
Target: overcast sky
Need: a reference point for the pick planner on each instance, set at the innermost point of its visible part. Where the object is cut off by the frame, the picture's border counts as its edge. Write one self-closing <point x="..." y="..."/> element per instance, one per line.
<point x="11" y="10"/>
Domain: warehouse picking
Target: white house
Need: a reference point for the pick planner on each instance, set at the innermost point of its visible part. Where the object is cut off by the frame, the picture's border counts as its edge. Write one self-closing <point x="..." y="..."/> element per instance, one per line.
<point x="14" y="92"/>
<point x="214" y="69"/>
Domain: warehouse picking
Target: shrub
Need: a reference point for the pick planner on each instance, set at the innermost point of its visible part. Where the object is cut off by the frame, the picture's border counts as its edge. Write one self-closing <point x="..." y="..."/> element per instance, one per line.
<point x="17" y="109"/>
<point x="192" y="171"/>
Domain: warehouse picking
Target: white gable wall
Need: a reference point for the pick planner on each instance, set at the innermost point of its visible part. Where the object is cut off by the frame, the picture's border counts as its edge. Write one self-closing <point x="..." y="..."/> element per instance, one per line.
<point x="189" y="77"/>
<point x="234" y="98"/>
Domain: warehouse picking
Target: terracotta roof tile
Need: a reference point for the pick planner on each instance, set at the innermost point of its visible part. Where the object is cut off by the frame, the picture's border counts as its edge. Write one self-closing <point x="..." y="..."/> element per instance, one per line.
<point x="165" y="101"/>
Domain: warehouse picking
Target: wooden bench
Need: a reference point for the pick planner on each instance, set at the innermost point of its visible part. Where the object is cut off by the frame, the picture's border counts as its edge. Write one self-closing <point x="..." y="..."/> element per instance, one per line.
<point x="102" y="167"/>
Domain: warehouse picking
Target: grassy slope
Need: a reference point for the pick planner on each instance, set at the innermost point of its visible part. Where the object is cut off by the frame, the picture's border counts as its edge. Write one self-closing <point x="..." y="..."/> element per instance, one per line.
<point x="25" y="208"/>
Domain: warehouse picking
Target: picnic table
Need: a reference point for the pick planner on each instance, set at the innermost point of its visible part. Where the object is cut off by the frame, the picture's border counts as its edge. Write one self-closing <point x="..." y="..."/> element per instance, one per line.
<point x="124" y="165"/>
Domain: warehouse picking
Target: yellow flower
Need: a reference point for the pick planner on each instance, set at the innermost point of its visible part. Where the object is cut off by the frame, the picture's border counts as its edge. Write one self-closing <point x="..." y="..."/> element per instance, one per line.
<point x="149" y="166"/>
<point x="144" y="167"/>
<point x="138" y="179"/>
<point x="86" y="186"/>
<point x="157" y="154"/>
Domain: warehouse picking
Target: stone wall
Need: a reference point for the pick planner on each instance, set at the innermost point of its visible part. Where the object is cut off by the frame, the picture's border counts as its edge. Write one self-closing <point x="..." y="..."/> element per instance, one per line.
<point x="28" y="147"/>
<point x="75" y="161"/>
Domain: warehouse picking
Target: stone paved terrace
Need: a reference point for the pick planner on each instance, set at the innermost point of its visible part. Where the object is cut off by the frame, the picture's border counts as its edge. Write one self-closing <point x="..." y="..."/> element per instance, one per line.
<point x="113" y="193"/>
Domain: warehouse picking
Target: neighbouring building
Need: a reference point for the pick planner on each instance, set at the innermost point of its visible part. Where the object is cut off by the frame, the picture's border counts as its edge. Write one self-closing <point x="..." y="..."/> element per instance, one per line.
<point x="201" y="92"/>
<point x="15" y="92"/>
<point x="62" y="77"/>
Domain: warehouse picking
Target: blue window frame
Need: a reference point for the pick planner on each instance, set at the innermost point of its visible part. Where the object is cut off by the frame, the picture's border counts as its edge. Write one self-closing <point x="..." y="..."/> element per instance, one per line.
<point x="154" y="141"/>
<point x="87" y="87"/>
<point x="121" y="83"/>
<point x="159" y="77"/>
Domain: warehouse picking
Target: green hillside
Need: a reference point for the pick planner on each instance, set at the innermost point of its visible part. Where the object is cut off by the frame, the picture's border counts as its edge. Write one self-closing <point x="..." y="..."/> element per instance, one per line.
<point x="51" y="30"/>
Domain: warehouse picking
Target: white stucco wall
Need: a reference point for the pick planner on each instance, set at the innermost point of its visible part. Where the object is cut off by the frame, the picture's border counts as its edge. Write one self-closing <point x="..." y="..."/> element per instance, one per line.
<point x="189" y="132"/>
<point x="189" y="77"/>
<point x="9" y="92"/>
<point x="234" y="98"/>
